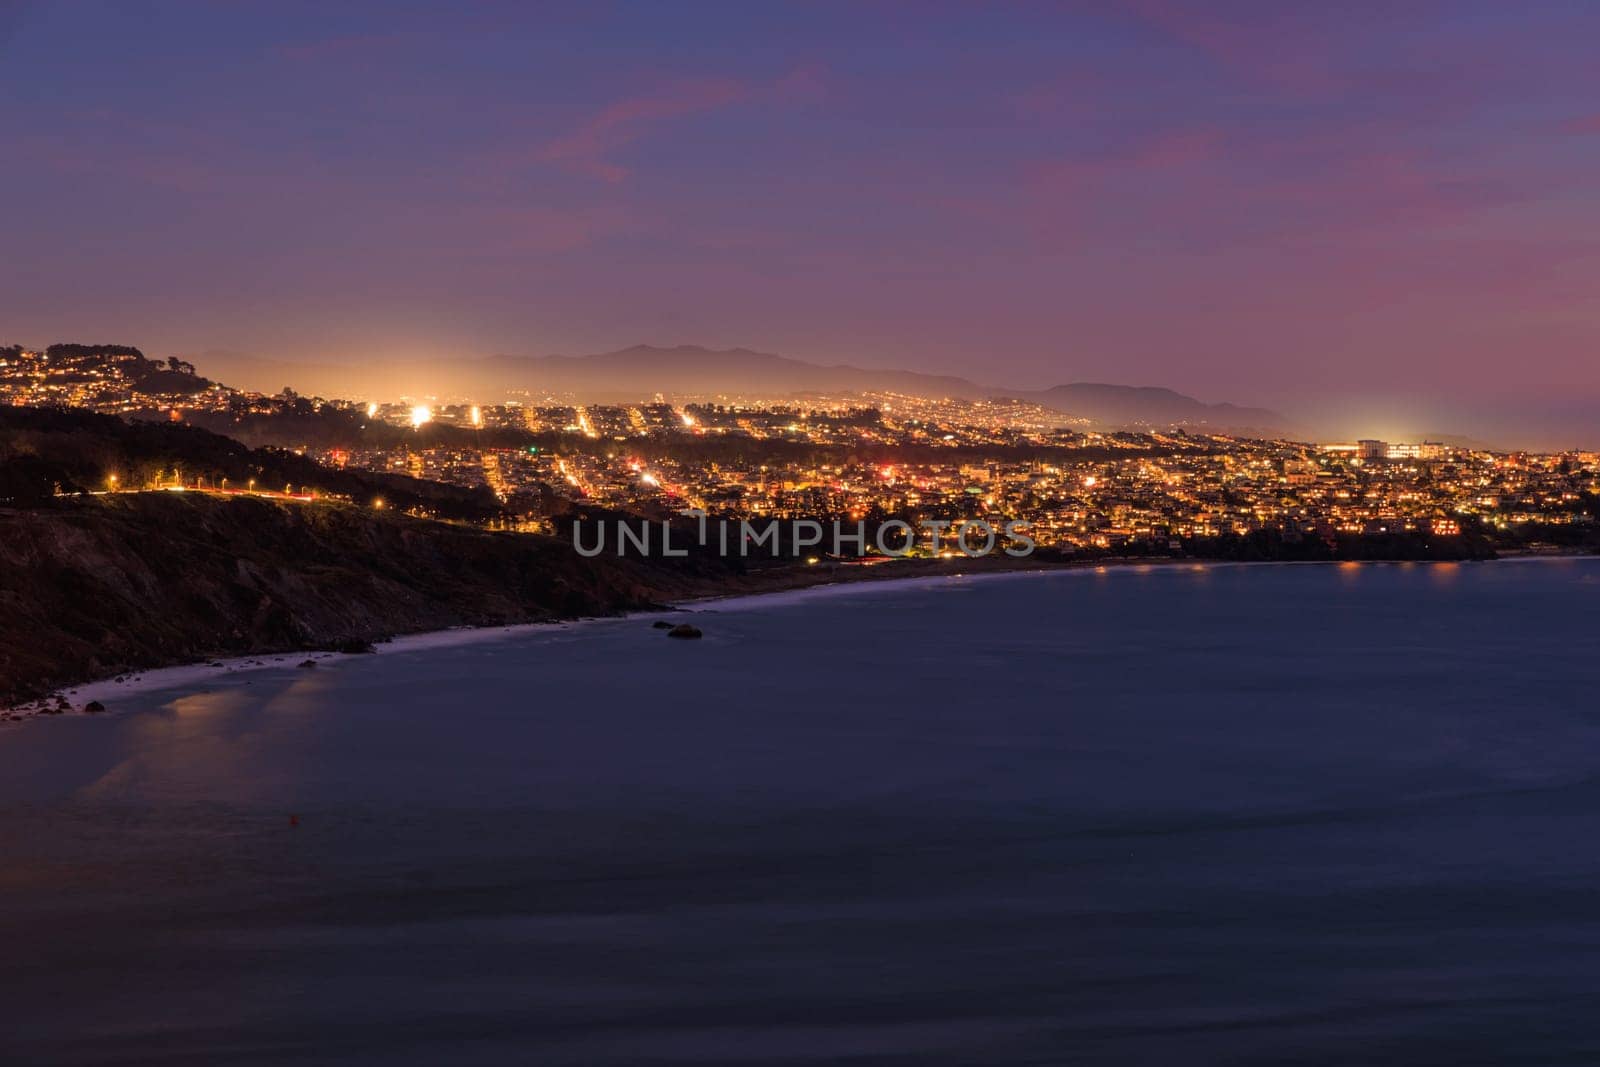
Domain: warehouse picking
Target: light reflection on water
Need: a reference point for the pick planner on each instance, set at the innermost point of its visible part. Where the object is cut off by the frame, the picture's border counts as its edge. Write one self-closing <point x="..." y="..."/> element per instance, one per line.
<point x="1314" y="813"/>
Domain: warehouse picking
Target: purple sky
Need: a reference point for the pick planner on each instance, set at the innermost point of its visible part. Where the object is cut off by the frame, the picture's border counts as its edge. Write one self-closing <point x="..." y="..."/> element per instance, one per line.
<point x="1302" y="205"/>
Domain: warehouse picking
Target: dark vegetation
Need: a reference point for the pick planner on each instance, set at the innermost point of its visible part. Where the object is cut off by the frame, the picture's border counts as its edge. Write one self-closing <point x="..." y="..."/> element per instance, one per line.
<point x="44" y="451"/>
<point x="96" y="586"/>
<point x="147" y="375"/>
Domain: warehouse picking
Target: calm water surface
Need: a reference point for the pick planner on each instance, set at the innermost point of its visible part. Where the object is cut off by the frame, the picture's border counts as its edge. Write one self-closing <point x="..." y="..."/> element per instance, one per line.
<point x="1174" y="815"/>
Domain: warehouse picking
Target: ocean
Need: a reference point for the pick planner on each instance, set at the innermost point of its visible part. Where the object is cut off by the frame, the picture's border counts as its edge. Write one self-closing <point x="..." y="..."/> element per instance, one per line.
<point x="1174" y="814"/>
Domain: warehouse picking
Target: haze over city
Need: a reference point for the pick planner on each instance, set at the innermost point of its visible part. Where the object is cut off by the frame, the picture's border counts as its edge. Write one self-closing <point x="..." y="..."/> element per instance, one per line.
<point x="1376" y="220"/>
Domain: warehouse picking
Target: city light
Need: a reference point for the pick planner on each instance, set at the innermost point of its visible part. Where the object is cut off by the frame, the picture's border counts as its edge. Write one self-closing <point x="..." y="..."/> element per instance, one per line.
<point x="1155" y="492"/>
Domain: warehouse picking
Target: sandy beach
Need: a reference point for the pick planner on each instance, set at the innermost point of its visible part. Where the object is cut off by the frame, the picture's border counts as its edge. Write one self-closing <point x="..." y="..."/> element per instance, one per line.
<point x="108" y="691"/>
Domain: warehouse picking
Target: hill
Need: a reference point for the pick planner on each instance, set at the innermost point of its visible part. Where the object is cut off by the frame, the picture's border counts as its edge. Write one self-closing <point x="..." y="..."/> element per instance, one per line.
<point x="48" y="450"/>
<point x="632" y="374"/>
<point x="93" y="587"/>
<point x="1132" y="406"/>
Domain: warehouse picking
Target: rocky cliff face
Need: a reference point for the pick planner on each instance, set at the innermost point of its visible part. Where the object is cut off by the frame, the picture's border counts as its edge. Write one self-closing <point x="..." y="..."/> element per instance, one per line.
<point x="98" y="587"/>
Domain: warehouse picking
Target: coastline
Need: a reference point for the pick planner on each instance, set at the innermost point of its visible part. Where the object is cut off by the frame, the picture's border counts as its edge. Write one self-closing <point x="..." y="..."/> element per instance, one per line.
<point x="198" y="674"/>
<point x="71" y="700"/>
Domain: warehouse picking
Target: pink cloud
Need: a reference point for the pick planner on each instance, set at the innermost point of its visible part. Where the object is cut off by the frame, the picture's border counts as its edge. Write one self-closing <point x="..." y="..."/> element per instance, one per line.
<point x="1383" y="191"/>
<point x="1164" y="151"/>
<point x="1587" y="124"/>
<point x="806" y="82"/>
<point x="586" y="148"/>
<point x="541" y="230"/>
<point x="1178" y="148"/>
<point x="1074" y="95"/>
<point x="1274" y="46"/>
<point x="342" y="49"/>
<point x="176" y="167"/>
<point x="1195" y="186"/>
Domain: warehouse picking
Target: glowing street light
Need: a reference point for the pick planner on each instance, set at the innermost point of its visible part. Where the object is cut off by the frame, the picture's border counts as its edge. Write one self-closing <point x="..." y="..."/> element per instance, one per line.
<point x="421" y="414"/>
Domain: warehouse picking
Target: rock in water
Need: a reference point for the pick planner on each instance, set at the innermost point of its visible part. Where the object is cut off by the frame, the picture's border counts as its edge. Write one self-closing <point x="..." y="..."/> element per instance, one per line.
<point x="683" y="629"/>
<point x="94" y="707"/>
<point x="308" y="663"/>
<point x="661" y="624"/>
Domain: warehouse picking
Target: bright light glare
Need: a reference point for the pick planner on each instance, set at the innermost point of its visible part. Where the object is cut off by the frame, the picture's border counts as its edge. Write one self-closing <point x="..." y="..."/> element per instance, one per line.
<point x="420" y="414"/>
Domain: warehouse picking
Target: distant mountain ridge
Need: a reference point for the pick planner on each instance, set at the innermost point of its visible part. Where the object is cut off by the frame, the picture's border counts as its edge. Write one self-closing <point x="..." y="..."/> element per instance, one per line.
<point x="629" y="374"/>
<point x="1151" y="405"/>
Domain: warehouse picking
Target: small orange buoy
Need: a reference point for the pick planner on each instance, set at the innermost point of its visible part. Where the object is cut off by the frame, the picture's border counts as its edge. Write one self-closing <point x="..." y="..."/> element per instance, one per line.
<point x="294" y="820"/>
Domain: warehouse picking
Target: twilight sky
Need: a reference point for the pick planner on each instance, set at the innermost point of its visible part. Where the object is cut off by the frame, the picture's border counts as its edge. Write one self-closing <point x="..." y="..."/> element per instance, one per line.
<point x="1307" y="206"/>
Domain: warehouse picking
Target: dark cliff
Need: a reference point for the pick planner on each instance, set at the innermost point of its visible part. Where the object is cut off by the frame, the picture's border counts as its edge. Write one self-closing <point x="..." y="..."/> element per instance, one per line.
<point x="99" y="586"/>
